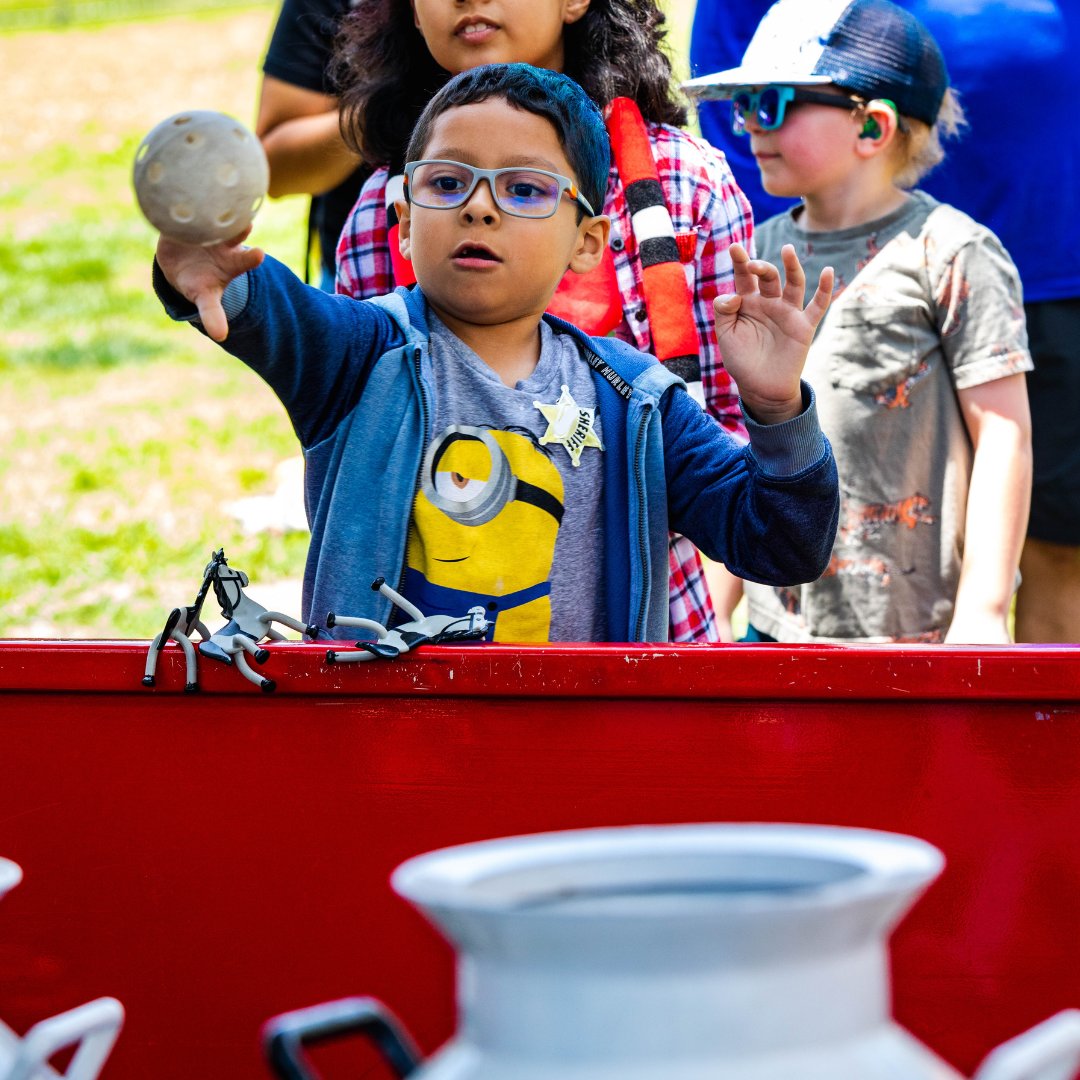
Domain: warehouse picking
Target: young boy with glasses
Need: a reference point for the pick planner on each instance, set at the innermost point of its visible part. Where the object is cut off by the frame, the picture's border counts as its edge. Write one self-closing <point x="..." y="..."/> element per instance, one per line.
<point x="472" y="450"/>
<point x="919" y="364"/>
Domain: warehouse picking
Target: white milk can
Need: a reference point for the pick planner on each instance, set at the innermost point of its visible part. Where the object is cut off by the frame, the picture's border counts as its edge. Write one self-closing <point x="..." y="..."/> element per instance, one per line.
<point x="10" y="875"/>
<point x="685" y="952"/>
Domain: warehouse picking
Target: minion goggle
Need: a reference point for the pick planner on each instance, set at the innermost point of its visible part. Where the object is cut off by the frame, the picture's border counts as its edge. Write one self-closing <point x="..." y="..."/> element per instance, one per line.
<point x="475" y="502"/>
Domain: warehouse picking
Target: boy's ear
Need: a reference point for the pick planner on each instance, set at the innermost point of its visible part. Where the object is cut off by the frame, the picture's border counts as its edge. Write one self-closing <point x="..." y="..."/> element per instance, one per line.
<point x="574" y="10"/>
<point x="404" y="228"/>
<point x="592" y="242"/>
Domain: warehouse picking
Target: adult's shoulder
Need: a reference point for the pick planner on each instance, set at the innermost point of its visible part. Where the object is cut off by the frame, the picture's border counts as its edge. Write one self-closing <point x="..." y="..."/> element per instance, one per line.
<point x="323" y="14"/>
<point x="302" y="41"/>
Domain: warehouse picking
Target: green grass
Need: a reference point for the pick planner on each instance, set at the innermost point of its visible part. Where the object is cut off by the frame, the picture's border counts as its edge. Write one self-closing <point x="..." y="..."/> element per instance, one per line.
<point x="76" y="288"/>
<point x="118" y="505"/>
<point x="122" y="436"/>
<point x="51" y="14"/>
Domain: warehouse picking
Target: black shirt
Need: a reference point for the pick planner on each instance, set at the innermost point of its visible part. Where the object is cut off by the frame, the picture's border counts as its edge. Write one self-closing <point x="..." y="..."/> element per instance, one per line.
<point x="299" y="54"/>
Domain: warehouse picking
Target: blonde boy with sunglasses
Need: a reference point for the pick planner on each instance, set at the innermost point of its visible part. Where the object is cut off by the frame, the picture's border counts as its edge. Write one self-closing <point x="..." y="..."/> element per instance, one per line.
<point x="919" y="364"/>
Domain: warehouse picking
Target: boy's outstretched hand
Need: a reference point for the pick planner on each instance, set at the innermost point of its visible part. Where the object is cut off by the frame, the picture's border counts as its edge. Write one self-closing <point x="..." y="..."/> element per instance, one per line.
<point x="764" y="333"/>
<point x="200" y="274"/>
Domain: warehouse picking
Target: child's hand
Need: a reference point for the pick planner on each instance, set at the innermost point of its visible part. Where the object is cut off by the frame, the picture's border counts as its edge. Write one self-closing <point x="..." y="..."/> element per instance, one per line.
<point x="200" y="274"/>
<point x="764" y="332"/>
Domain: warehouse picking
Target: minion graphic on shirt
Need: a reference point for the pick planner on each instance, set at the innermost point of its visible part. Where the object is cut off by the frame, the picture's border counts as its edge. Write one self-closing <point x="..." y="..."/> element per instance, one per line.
<point x="483" y="530"/>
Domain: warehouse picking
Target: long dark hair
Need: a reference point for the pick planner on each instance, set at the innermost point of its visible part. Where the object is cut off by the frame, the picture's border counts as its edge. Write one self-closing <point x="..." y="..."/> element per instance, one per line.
<point x="384" y="74"/>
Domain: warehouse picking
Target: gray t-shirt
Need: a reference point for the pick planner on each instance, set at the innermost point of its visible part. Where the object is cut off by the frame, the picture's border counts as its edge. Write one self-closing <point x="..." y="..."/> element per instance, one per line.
<point x="927" y="302"/>
<point x="501" y="517"/>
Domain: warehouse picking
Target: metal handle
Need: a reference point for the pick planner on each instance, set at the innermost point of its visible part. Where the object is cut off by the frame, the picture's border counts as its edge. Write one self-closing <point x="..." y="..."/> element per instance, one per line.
<point x="284" y="1036"/>
<point x="1048" y="1051"/>
<point x="93" y="1027"/>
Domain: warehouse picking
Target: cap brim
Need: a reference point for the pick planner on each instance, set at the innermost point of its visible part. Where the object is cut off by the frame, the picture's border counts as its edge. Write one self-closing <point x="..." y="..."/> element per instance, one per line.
<point x="722" y="84"/>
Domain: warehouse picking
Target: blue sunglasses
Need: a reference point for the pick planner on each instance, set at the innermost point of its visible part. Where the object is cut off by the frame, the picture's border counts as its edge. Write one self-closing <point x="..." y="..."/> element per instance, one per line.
<point x="768" y="106"/>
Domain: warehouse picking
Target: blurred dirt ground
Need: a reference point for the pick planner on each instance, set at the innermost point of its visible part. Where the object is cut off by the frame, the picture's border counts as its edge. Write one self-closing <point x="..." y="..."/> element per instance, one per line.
<point x="58" y="86"/>
<point x="74" y="95"/>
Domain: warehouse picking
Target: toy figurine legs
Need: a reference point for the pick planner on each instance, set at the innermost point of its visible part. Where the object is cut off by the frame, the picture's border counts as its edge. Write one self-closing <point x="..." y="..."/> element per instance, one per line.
<point x="180" y="623"/>
<point x="421" y="630"/>
<point x="249" y="623"/>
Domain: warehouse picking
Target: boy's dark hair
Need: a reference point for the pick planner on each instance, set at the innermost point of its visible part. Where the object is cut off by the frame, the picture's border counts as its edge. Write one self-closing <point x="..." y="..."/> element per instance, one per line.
<point x="557" y="98"/>
<point x="384" y="73"/>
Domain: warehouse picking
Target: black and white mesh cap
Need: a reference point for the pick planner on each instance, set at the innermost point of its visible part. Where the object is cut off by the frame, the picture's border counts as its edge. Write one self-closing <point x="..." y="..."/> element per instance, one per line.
<point x="872" y="47"/>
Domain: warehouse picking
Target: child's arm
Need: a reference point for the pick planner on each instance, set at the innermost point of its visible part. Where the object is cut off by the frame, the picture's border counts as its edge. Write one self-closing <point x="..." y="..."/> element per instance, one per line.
<point x="720" y="215"/>
<point x="200" y="275"/>
<point x="315" y="350"/>
<point x="997" y="418"/>
<point x="767" y="511"/>
<point x="726" y="591"/>
<point x="765" y="333"/>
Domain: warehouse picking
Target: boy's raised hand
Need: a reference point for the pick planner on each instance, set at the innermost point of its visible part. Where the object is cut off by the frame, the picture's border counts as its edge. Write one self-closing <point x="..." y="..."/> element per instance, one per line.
<point x="200" y="274"/>
<point x="764" y="333"/>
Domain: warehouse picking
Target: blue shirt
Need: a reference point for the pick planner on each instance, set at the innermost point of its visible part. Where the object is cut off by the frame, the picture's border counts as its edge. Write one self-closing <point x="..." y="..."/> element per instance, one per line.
<point x="1016" y="168"/>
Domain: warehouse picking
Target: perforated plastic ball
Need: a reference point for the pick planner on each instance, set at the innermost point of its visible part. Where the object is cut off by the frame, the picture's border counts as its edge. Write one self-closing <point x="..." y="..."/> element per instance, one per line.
<point x="200" y="176"/>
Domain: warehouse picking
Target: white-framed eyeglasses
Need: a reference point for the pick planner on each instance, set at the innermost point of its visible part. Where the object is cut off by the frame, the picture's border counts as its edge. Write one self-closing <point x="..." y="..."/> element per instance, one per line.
<point x="437" y="184"/>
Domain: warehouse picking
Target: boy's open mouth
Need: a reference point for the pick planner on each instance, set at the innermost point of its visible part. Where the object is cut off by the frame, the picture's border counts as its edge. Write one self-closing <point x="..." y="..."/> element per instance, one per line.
<point x="471" y="252"/>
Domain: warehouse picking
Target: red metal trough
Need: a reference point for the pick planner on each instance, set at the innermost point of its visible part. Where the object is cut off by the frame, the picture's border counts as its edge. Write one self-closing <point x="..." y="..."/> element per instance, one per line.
<point x="214" y="859"/>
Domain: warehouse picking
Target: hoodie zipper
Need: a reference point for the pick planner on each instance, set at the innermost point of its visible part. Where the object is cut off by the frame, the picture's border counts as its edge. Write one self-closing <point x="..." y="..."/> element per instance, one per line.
<point x="422" y="394"/>
<point x="642" y="535"/>
<point x="625" y="390"/>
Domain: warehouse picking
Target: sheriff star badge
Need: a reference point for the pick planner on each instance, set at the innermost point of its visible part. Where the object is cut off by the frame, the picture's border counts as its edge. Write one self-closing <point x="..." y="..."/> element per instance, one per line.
<point x="569" y="425"/>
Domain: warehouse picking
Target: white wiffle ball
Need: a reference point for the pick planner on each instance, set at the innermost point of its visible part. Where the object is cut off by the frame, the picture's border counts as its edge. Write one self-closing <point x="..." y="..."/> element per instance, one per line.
<point x="200" y="176"/>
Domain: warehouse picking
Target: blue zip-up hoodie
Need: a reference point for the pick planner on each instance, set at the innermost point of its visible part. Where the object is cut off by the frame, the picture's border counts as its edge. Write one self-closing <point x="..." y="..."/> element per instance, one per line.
<point x="355" y="377"/>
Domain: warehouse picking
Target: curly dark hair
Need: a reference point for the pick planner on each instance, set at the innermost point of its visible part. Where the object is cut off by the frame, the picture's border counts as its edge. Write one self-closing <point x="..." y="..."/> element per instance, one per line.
<point x="384" y="74"/>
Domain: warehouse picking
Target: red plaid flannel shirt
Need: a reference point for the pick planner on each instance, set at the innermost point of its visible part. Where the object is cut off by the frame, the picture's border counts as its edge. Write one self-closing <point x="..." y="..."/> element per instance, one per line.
<point x="709" y="211"/>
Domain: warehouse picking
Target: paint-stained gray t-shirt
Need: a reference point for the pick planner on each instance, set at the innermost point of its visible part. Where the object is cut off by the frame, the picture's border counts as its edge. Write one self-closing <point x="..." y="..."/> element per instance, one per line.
<point x="503" y="516"/>
<point x="927" y="302"/>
